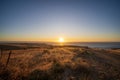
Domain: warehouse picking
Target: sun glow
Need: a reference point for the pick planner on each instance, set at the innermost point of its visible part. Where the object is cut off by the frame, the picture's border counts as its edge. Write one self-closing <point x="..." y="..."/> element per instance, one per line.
<point x="61" y="39"/>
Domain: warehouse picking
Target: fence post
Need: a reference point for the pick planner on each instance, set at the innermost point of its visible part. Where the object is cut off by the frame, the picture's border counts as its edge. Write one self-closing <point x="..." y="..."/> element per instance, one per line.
<point x="1" y="53"/>
<point x="8" y="58"/>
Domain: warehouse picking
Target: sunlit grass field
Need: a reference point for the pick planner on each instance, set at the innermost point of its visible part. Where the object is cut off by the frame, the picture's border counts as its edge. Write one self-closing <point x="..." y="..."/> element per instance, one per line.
<point x="47" y="62"/>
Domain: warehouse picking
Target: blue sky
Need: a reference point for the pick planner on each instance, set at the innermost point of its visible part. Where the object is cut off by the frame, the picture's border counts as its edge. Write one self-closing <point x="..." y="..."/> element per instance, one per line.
<point x="46" y="20"/>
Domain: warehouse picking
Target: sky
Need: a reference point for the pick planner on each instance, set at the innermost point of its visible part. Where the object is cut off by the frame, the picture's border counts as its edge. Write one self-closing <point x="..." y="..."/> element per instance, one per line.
<point x="47" y="20"/>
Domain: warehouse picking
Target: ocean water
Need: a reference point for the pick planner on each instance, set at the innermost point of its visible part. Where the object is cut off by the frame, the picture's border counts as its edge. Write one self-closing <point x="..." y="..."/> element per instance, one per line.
<point x="93" y="44"/>
<point x="89" y="44"/>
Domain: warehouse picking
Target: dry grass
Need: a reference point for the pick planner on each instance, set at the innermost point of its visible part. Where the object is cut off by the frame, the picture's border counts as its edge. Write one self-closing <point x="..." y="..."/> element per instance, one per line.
<point x="61" y="63"/>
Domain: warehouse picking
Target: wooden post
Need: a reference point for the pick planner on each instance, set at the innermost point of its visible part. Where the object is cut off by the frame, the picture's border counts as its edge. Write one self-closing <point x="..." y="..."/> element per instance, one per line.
<point x="8" y="58"/>
<point x="1" y="53"/>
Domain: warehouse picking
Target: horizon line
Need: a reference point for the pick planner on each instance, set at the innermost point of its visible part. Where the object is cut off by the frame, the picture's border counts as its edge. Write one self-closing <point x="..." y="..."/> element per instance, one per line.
<point x="54" y="41"/>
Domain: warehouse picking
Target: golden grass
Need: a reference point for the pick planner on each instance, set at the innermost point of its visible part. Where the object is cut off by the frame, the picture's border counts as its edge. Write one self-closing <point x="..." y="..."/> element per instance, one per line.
<point x="61" y="63"/>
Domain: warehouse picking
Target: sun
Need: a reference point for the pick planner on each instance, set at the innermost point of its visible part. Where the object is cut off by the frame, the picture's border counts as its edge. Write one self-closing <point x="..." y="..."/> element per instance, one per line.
<point x="61" y="39"/>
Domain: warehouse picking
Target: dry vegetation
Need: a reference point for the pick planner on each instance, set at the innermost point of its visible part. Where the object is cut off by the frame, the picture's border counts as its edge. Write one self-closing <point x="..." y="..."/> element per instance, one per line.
<point x="60" y="63"/>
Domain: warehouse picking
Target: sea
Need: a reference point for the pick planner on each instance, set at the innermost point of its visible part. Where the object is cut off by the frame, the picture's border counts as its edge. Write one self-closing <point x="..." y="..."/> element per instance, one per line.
<point x="92" y="44"/>
<point x="88" y="44"/>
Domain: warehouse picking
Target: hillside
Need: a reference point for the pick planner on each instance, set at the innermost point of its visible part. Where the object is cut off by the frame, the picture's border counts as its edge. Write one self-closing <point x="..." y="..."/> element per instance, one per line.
<point x="59" y="63"/>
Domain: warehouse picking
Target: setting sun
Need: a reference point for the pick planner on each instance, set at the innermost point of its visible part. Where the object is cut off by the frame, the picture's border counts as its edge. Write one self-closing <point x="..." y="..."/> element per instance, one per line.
<point x="61" y="39"/>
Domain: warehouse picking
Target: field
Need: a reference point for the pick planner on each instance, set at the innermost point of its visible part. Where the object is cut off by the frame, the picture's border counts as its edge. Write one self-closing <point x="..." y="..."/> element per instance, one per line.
<point x="29" y="61"/>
